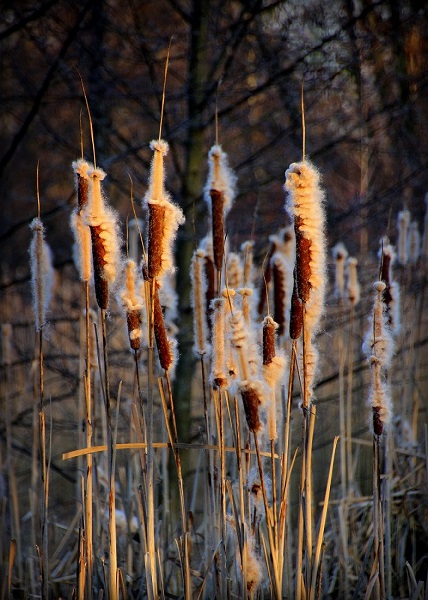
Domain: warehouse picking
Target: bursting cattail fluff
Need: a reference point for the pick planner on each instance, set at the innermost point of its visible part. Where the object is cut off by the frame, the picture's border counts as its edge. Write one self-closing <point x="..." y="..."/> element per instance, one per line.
<point x="353" y="289"/>
<point x="378" y="347"/>
<point x="102" y="221"/>
<point x="305" y="205"/>
<point x="82" y="234"/>
<point x="132" y="305"/>
<point x="414" y="243"/>
<point x="164" y="216"/>
<point x="391" y="294"/>
<point x="282" y="264"/>
<point x="340" y="254"/>
<point x="378" y="341"/>
<point x="199" y="285"/>
<point x="403" y="221"/>
<point x="219" y="193"/>
<point x="234" y="270"/>
<point x="273" y="371"/>
<point x="218" y="368"/>
<point x="42" y="273"/>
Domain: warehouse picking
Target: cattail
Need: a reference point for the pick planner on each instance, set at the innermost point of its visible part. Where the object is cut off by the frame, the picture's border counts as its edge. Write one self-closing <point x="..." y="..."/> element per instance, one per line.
<point x="247" y="257"/>
<point x="166" y="348"/>
<point x="254" y="573"/>
<point x="218" y="369"/>
<point x="414" y="243"/>
<point x="234" y="270"/>
<point x="391" y="294"/>
<point x="252" y="396"/>
<point x="378" y="341"/>
<point x="82" y="234"/>
<point x="42" y="273"/>
<point x="379" y="398"/>
<point x="102" y="222"/>
<point x="279" y="273"/>
<point x="353" y="289"/>
<point x="164" y="216"/>
<point x="219" y="194"/>
<point x="340" y="254"/>
<point x="305" y="205"/>
<point x="232" y="368"/>
<point x="132" y="305"/>
<point x="273" y="370"/>
<point x="296" y="314"/>
<point x="246" y="294"/>
<point x="199" y="285"/>
<point x="424" y="245"/>
<point x="403" y="220"/>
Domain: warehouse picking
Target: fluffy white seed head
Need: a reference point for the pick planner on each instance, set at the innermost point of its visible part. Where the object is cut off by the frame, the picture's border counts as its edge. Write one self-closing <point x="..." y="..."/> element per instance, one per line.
<point x="218" y="367"/>
<point x="234" y="270"/>
<point x="305" y="205"/>
<point x="379" y="399"/>
<point x="403" y="221"/>
<point x="414" y="243"/>
<point x="353" y="290"/>
<point x="82" y="255"/>
<point x="199" y="286"/>
<point x="378" y="341"/>
<point x="220" y="177"/>
<point x="157" y="195"/>
<point x="130" y="299"/>
<point x="42" y="273"/>
<point x="81" y="167"/>
<point x="98" y="215"/>
<point x="340" y="254"/>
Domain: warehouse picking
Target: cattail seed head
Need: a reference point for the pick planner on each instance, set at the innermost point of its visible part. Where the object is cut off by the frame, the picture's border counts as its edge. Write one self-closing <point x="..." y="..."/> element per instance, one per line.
<point x="340" y="254"/>
<point x="378" y="341"/>
<point x="218" y="369"/>
<point x="164" y="346"/>
<point x="164" y="216"/>
<point x="403" y="221"/>
<point x="269" y="328"/>
<point x="103" y="225"/>
<point x="42" y="273"/>
<point x="219" y="193"/>
<point x="379" y="398"/>
<point x="132" y="305"/>
<point x="199" y="286"/>
<point x="352" y="285"/>
<point x="235" y="271"/>
<point x="414" y="243"/>
<point x="251" y="394"/>
<point x="391" y="294"/>
<point x="82" y="235"/>
<point x="247" y="256"/>
<point x="305" y="206"/>
<point x="296" y="314"/>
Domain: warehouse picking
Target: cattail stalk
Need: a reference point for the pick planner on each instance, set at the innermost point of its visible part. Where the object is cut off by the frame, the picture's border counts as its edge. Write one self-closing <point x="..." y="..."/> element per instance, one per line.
<point x="201" y="346"/>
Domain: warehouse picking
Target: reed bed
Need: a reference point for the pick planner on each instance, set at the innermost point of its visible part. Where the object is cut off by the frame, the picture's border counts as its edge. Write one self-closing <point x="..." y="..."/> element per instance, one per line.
<point x="291" y="361"/>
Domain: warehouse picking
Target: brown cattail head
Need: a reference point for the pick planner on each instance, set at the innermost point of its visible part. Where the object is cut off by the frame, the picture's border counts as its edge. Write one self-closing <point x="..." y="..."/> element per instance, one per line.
<point x="98" y="259"/>
<point x="104" y="237"/>
<point x="303" y="261"/>
<point x="155" y="240"/>
<point x="200" y="346"/>
<point x="279" y="294"/>
<point x="269" y="328"/>
<point x="42" y="273"/>
<point x="251" y="400"/>
<point x="164" y="216"/>
<point x="296" y="313"/>
<point x="217" y="217"/>
<point x="163" y="344"/>
<point x="218" y="368"/>
<point x="81" y="169"/>
<point x="133" y="322"/>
